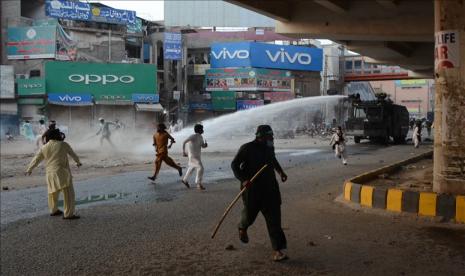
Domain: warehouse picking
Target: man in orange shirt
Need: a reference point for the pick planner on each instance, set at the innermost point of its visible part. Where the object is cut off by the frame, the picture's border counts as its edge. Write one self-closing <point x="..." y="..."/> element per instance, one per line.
<point x="160" y="142"/>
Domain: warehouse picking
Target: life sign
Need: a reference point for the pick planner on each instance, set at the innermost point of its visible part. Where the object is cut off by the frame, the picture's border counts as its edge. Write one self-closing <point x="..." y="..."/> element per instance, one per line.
<point x="263" y="55"/>
<point x="446" y="50"/>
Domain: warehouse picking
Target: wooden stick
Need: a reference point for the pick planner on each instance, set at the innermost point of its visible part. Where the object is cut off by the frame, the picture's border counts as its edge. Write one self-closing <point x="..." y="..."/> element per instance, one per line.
<point x="236" y="199"/>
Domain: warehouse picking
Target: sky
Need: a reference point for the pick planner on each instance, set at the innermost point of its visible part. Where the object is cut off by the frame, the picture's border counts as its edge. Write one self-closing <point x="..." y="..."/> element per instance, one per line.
<point x="150" y="10"/>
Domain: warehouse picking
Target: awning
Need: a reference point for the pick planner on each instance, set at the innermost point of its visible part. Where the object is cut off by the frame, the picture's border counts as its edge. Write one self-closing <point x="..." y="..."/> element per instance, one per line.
<point x="149" y="107"/>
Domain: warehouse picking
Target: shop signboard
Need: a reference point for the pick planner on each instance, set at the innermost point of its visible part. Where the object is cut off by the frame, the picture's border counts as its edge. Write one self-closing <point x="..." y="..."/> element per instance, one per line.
<point x="247" y="79"/>
<point x="106" y="82"/>
<point x="145" y="98"/>
<point x="172" y="46"/>
<point x="248" y="104"/>
<point x="31" y="42"/>
<point x="278" y="96"/>
<point x="7" y="82"/>
<point x="223" y="100"/>
<point x="75" y="10"/>
<point x="31" y="101"/>
<point x="200" y="106"/>
<point x="70" y="99"/>
<point x="242" y="79"/>
<point x="411" y="83"/>
<point x="31" y="87"/>
<point x="273" y="80"/>
<point x="264" y="55"/>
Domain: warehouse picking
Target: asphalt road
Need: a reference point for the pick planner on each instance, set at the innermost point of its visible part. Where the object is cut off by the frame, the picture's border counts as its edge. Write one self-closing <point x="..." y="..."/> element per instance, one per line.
<point x="164" y="229"/>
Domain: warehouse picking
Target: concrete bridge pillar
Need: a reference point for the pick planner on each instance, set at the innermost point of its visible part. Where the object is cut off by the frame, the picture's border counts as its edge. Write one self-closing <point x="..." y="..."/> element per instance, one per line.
<point x="449" y="116"/>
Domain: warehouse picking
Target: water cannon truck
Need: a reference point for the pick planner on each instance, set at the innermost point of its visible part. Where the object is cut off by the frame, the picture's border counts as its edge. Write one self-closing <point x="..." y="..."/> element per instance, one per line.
<point x="377" y="120"/>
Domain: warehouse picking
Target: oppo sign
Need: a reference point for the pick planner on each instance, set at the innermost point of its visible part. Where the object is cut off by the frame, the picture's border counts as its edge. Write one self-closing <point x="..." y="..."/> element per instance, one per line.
<point x="253" y="54"/>
<point x="103" y="79"/>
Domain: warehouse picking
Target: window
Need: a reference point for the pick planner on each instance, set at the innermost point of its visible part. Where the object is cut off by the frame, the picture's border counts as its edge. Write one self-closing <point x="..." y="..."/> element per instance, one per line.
<point x="349" y="65"/>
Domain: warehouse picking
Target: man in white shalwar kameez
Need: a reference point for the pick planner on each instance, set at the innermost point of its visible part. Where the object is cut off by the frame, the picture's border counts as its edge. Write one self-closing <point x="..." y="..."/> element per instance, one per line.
<point x="195" y="144"/>
<point x="338" y="142"/>
<point x="58" y="173"/>
<point x="416" y="135"/>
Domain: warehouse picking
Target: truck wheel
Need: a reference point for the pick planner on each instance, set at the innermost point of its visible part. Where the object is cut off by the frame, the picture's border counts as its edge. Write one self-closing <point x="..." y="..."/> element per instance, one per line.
<point x="357" y="139"/>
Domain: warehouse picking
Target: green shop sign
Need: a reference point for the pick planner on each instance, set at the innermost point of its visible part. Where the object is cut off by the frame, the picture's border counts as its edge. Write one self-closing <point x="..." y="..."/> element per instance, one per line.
<point x="31" y="87"/>
<point x="223" y="100"/>
<point x="105" y="81"/>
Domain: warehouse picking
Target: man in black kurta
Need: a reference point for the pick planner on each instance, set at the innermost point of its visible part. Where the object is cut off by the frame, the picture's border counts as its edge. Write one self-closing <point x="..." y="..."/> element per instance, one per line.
<point x="263" y="194"/>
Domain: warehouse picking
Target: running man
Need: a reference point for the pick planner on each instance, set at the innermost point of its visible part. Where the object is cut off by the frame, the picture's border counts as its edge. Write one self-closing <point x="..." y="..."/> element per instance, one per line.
<point x="160" y="142"/>
<point x="195" y="144"/>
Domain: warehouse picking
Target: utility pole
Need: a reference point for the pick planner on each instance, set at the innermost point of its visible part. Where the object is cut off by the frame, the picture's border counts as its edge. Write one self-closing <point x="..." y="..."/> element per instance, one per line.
<point x="449" y="136"/>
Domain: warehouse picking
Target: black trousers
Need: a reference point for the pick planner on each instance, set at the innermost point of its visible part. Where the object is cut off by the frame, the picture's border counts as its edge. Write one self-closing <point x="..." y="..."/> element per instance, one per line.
<point x="272" y="215"/>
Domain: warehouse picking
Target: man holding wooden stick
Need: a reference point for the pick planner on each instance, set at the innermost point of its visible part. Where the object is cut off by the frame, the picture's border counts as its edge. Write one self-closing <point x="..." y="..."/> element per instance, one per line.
<point x="263" y="195"/>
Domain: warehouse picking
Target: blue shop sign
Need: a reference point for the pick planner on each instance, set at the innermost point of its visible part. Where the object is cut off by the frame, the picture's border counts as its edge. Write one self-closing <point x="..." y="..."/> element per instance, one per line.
<point x="145" y="98"/>
<point x="200" y="106"/>
<point x="172" y="46"/>
<point x="75" y="10"/>
<point x="249" y="104"/>
<point x="263" y="55"/>
<point x="70" y="99"/>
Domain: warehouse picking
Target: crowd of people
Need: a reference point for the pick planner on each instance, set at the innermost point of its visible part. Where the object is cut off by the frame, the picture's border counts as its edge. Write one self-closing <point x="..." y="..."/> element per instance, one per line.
<point x="261" y="196"/>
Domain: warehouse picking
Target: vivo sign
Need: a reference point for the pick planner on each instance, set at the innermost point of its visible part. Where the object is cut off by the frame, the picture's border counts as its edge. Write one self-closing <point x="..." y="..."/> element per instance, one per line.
<point x="104" y="79"/>
<point x="69" y="98"/>
<point x="226" y="54"/>
<point x="251" y="54"/>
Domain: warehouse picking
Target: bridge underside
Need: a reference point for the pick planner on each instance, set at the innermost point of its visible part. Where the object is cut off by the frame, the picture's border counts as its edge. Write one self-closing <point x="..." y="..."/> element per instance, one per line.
<point x="397" y="32"/>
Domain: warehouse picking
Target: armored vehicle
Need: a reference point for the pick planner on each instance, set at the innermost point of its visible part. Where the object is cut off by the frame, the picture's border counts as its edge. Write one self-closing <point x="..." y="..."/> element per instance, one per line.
<point x="377" y="120"/>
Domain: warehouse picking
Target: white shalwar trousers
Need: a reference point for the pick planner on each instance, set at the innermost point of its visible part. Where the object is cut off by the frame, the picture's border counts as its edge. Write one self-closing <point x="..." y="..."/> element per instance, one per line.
<point x="199" y="173"/>
<point x="341" y="153"/>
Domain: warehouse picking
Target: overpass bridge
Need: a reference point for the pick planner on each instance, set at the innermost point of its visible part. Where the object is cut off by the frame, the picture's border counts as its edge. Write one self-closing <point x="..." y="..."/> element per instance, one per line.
<point x="424" y="36"/>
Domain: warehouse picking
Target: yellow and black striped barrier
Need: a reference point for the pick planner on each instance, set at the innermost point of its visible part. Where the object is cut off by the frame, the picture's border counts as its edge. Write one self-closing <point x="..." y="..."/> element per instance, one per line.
<point x="396" y="200"/>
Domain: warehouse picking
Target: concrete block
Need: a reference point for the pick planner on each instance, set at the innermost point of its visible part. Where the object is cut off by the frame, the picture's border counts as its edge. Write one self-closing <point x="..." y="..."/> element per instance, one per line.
<point x="445" y="206"/>
<point x="379" y="198"/>
<point x="460" y="209"/>
<point x="410" y="201"/>
<point x="355" y="193"/>
<point x="427" y="204"/>
<point x="366" y="196"/>
<point x="394" y="200"/>
<point x="347" y="188"/>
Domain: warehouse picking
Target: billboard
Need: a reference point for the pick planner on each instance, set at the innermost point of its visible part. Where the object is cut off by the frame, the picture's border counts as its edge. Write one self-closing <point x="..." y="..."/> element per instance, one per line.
<point x="70" y="99"/>
<point x="249" y="104"/>
<point x="75" y="10"/>
<point x="145" y="98"/>
<point x="263" y="55"/>
<point x="172" y="46"/>
<point x="275" y="97"/>
<point x="31" y="42"/>
<point x="106" y="82"/>
<point x="223" y="100"/>
<point x="31" y="87"/>
<point x="247" y="79"/>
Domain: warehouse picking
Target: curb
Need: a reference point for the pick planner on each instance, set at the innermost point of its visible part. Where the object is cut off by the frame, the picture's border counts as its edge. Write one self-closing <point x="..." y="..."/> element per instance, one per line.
<point x="396" y="200"/>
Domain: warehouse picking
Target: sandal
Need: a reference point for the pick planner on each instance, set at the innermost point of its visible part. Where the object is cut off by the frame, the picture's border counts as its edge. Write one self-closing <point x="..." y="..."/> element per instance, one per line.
<point x="280" y="257"/>
<point x="243" y="236"/>
<point x="56" y="213"/>
<point x="200" y="187"/>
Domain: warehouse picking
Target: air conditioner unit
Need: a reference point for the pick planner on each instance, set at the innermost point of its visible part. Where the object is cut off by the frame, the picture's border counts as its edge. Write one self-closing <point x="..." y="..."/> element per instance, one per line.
<point x="22" y="76"/>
